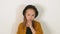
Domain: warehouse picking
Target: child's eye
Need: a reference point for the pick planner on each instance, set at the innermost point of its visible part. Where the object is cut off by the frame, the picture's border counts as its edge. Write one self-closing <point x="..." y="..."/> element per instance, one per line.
<point x="28" y="14"/>
<point x="32" y="15"/>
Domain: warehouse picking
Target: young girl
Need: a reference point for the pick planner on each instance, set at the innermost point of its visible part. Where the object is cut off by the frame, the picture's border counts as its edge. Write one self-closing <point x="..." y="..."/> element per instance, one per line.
<point x="29" y="25"/>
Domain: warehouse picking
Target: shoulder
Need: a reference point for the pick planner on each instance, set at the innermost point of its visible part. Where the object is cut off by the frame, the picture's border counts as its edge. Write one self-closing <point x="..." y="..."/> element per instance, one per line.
<point x="20" y="25"/>
<point x="37" y="25"/>
<point x="36" y="22"/>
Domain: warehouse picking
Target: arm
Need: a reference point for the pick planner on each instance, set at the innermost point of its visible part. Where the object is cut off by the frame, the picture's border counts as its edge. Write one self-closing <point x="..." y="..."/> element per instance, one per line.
<point x="20" y="31"/>
<point x="38" y="28"/>
<point x="33" y="30"/>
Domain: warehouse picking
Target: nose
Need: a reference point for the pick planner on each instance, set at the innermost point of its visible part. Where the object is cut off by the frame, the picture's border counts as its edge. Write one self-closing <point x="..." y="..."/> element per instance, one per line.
<point x="30" y="16"/>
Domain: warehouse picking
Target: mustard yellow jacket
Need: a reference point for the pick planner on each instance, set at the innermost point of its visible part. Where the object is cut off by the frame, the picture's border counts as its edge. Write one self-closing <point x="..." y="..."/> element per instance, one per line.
<point x="37" y="27"/>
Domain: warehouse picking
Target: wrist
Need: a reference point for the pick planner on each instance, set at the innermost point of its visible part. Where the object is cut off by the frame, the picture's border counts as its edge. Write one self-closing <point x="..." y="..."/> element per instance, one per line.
<point x="33" y="30"/>
<point x="31" y="27"/>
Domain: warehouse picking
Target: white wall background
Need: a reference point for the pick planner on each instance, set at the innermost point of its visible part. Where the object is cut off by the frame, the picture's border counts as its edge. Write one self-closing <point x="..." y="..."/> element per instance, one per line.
<point x="50" y="19"/>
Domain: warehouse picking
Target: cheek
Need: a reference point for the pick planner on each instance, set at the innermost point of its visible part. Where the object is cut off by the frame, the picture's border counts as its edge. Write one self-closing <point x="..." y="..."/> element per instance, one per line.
<point x="32" y="18"/>
<point x="27" y="17"/>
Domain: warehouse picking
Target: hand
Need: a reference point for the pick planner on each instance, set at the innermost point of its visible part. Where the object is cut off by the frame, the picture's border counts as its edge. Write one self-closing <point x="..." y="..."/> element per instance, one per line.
<point x="29" y="24"/>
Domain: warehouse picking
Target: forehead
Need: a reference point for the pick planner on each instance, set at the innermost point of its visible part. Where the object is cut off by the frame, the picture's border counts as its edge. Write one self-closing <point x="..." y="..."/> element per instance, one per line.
<point x="30" y="11"/>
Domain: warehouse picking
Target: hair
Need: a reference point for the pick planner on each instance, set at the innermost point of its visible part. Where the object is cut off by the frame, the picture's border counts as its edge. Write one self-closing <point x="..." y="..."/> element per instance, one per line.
<point x="29" y="7"/>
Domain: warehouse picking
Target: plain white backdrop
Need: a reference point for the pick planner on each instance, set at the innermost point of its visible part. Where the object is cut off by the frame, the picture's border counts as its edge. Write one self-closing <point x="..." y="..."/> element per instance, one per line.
<point x="50" y="20"/>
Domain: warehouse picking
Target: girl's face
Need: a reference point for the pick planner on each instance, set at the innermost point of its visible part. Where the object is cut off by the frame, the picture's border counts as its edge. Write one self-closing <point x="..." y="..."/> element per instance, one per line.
<point x="30" y="14"/>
